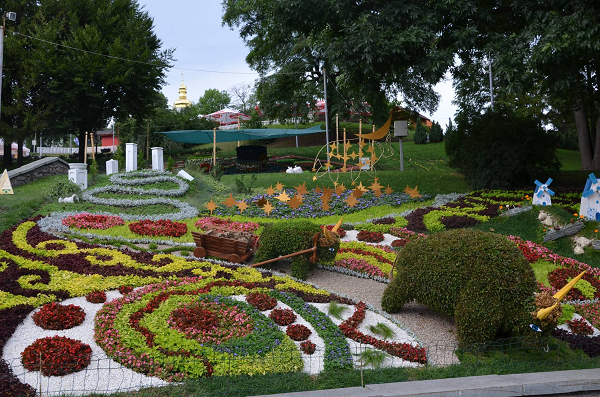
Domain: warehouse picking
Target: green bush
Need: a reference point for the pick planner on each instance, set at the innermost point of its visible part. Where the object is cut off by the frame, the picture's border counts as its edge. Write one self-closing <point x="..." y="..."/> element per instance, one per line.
<point x="170" y="164"/>
<point x="420" y="133"/>
<point x="436" y="134"/>
<point x="480" y="278"/>
<point x="287" y="237"/>
<point x="501" y="150"/>
<point x="62" y="188"/>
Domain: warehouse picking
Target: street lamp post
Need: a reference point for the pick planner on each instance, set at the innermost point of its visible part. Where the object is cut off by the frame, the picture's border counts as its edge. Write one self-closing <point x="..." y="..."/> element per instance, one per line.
<point x="295" y="106"/>
<point x="11" y="17"/>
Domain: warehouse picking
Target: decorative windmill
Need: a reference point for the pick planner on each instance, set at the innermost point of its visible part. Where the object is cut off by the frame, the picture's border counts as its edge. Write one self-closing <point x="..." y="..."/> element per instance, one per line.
<point x="542" y="195"/>
<point x="590" y="199"/>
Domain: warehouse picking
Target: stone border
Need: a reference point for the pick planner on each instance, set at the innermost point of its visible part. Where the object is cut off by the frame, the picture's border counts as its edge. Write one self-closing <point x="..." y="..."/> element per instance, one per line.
<point x="38" y="169"/>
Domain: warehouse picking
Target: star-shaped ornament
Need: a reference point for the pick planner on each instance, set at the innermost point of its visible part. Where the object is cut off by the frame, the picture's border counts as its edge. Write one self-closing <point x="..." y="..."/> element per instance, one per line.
<point x="375" y="185"/>
<point x="261" y="202"/>
<point x="279" y="186"/>
<point x="357" y="192"/>
<point x="230" y="202"/>
<point x="314" y="178"/>
<point x="333" y="147"/>
<point x="347" y="145"/>
<point x="327" y="191"/>
<point x="301" y="189"/>
<point x="283" y="197"/>
<point x="413" y="193"/>
<point x="361" y="187"/>
<point x="242" y="206"/>
<point x="318" y="190"/>
<point x="371" y="149"/>
<point x="388" y="189"/>
<point x="328" y="164"/>
<point x="377" y="192"/>
<point x="295" y="202"/>
<point x="353" y="155"/>
<point x="268" y="208"/>
<point x="211" y="206"/>
<point x="351" y="201"/>
<point x="270" y="191"/>
<point x="340" y="189"/>
<point x="325" y="205"/>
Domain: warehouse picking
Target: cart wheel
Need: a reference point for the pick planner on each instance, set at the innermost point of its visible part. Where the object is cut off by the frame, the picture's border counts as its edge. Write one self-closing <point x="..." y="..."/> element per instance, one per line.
<point x="200" y="252"/>
<point x="234" y="258"/>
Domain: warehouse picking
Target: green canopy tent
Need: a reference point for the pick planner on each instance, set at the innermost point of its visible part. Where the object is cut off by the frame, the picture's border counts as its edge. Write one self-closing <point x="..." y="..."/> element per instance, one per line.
<point x="214" y="136"/>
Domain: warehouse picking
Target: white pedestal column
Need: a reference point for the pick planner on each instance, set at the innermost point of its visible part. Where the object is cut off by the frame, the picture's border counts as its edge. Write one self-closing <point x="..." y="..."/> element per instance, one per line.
<point x="158" y="163"/>
<point x="112" y="167"/>
<point x="130" y="157"/>
<point x="78" y="174"/>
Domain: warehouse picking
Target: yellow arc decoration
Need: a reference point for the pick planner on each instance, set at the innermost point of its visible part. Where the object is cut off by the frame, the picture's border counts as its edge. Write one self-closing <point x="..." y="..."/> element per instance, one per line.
<point x="543" y="313"/>
<point x="380" y="133"/>
<point x="337" y="225"/>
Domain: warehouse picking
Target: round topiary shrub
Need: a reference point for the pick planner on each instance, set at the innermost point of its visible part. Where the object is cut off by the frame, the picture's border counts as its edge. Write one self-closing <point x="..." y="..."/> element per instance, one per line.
<point x="480" y="278"/>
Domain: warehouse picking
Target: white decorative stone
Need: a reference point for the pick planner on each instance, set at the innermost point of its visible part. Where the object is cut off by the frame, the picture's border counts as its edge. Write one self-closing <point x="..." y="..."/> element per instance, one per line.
<point x="547" y="221"/>
<point x="542" y="216"/>
<point x="74" y="198"/>
<point x="297" y="169"/>
<point x="131" y="157"/>
<point x="157" y="159"/>
<point x="112" y="167"/>
<point x="289" y="170"/>
<point x="78" y="174"/>
<point x="185" y="175"/>
<point x="582" y="241"/>
<point x="578" y="250"/>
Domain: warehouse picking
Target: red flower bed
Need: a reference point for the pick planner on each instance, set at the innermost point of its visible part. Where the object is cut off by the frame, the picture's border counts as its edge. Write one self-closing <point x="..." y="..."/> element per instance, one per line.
<point x="558" y="278"/>
<point x="91" y="221"/>
<point x="370" y="237"/>
<point x="283" y="316"/>
<point x="96" y="297"/>
<point x="125" y="289"/>
<point x="261" y="301"/>
<point x="402" y="350"/>
<point x="59" y="356"/>
<point x="163" y="227"/>
<point x="340" y="232"/>
<point x="580" y="327"/>
<point x="298" y="332"/>
<point x="55" y="316"/>
<point x="308" y="347"/>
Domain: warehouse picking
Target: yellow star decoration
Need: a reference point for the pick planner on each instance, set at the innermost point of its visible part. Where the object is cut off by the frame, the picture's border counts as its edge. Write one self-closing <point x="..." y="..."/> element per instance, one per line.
<point x="357" y="192"/>
<point x="361" y="187"/>
<point x="333" y="147"/>
<point x="262" y="201"/>
<point x="371" y="149"/>
<point x="388" y="189"/>
<point x="340" y="189"/>
<point x="375" y="185"/>
<point x="295" y="202"/>
<point x="301" y="189"/>
<point x="270" y="191"/>
<point x="347" y="145"/>
<point x="242" y="206"/>
<point x="268" y="208"/>
<point x="413" y="193"/>
<point x="353" y="183"/>
<point x="314" y="178"/>
<point x="279" y="186"/>
<point x="361" y="144"/>
<point x="211" y="206"/>
<point x="328" y="165"/>
<point x="353" y="155"/>
<point x="335" y="183"/>
<point x="351" y="201"/>
<point x="230" y="202"/>
<point x="314" y="170"/>
<point x="283" y="197"/>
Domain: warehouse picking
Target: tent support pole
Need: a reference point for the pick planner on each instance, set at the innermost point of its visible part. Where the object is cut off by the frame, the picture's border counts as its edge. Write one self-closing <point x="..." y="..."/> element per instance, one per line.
<point x="214" y="147"/>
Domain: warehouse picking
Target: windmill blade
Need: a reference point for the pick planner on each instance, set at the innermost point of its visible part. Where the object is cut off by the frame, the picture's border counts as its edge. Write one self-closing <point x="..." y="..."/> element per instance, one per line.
<point x="550" y="192"/>
<point x="587" y="193"/>
<point x="538" y="183"/>
<point x="540" y="193"/>
<point x="593" y="178"/>
<point x="549" y="181"/>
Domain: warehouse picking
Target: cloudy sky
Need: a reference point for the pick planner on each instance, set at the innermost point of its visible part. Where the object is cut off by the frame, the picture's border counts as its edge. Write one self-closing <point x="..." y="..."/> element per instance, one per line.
<point x="212" y="56"/>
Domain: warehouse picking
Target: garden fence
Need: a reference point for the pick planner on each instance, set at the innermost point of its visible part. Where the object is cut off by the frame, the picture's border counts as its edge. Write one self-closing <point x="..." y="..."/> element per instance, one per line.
<point x="105" y="376"/>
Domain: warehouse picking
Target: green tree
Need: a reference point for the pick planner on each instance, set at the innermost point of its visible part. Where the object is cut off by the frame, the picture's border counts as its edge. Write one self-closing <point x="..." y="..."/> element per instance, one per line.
<point x="212" y="101"/>
<point x="420" y="136"/>
<point x="99" y="67"/>
<point x="436" y="134"/>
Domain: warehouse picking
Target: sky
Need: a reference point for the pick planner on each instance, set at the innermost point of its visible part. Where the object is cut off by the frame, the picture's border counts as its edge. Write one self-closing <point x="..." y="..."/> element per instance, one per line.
<point x="213" y="56"/>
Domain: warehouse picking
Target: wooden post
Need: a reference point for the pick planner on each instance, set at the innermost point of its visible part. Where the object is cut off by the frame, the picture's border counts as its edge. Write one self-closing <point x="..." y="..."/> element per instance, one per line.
<point x="93" y="148"/>
<point x="214" y="147"/>
<point x="85" y="149"/>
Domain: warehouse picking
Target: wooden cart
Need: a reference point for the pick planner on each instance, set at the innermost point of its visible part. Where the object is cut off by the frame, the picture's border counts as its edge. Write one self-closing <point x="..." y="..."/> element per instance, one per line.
<point x="235" y="251"/>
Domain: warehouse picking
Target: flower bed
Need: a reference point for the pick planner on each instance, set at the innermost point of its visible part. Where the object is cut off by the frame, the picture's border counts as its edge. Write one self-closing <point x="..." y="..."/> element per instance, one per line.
<point x="162" y="227"/>
<point x="370" y="237"/>
<point x="580" y="327"/>
<point x="56" y="316"/>
<point x="56" y="356"/>
<point x="261" y="301"/>
<point x="298" y="332"/>
<point x="91" y="221"/>
<point x="206" y="222"/>
<point x="282" y="317"/>
<point x="96" y="297"/>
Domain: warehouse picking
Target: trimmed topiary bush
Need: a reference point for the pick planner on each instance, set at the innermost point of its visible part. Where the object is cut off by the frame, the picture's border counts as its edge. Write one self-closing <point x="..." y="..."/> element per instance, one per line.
<point x="420" y="133"/>
<point x="480" y="278"/>
<point x="287" y="237"/>
<point x="436" y="134"/>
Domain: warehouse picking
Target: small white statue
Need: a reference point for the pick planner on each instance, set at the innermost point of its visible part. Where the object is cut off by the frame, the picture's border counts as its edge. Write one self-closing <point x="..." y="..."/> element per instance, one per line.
<point x="289" y="170"/>
<point x="297" y="169"/>
<point x="73" y="199"/>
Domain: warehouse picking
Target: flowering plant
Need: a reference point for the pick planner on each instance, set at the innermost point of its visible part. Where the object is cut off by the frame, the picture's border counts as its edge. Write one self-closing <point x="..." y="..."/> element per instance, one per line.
<point x="370" y="237"/>
<point x="308" y="347"/>
<point x="384" y="221"/>
<point x="96" y="297"/>
<point x="360" y="265"/>
<point x="56" y="316"/>
<point x="207" y="222"/>
<point x="580" y="327"/>
<point x="91" y="221"/>
<point x="56" y="356"/>
<point x="261" y="301"/>
<point x="298" y="332"/>
<point x="125" y="289"/>
<point x="283" y="316"/>
<point x="404" y="236"/>
<point x="162" y="227"/>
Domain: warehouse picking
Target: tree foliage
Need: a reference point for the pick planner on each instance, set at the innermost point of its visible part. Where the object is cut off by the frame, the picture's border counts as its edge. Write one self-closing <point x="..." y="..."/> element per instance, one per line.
<point x="420" y="136"/>
<point x="501" y="150"/>
<point x="213" y="100"/>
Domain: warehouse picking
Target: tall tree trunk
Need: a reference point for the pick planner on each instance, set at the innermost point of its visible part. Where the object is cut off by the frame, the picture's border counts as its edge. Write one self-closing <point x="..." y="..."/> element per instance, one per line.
<point x="7" y="159"/>
<point x="596" y="154"/>
<point x="586" y="151"/>
<point x="20" y="152"/>
<point x="82" y="144"/>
